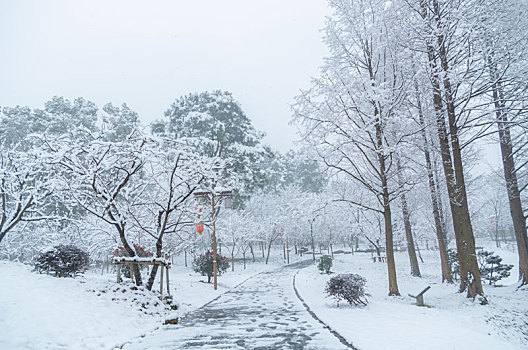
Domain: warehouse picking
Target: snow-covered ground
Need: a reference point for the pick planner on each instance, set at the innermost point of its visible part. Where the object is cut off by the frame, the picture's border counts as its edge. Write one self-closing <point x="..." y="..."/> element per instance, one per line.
<point x="450" y="321"/>
<point x="94" y="312"/>
<point x="38" y="311"/>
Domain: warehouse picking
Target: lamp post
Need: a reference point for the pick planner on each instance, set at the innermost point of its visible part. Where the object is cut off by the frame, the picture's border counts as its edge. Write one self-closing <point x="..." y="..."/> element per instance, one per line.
<point x="215" y="196"/>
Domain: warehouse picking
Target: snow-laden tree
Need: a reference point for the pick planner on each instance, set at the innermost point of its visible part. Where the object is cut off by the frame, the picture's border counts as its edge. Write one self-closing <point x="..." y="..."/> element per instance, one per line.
<point x="216" y="126"/>
<point x="236" y="228"/>
<point x="503" y="43"/>
<point x="443" y="30"/>
<point x="26" y="172"/>
<point x="352" y="116"/>
<point x="164" y="203"/>
<point x="26" y="185"/>
<point x="99" y="176"/>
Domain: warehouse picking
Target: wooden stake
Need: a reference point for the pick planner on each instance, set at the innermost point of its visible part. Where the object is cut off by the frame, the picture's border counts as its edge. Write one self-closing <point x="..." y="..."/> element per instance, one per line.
<point x="168" y="286"/>
<point x="288" y="251"/>
<point x="161" y="280"/>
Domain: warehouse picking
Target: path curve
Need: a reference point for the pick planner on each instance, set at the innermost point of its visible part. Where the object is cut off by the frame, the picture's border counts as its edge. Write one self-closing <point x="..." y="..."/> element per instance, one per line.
<point x="261" y="313"/>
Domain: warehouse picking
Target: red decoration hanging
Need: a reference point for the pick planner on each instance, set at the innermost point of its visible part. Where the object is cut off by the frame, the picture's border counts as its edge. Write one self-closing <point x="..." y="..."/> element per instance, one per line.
<point x="200" y="227"/>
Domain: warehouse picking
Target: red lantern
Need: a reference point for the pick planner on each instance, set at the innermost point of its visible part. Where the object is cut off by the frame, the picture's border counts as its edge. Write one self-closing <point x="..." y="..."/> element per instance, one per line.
<point x="200" y="227"/>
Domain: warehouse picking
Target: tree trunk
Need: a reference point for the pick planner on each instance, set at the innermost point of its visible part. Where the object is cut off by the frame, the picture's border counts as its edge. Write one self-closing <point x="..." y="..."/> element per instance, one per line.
<point x="415" y="268"/>
<point x="269" y="249"/>
<point x="452" y="164"/>
<point x="389" y="247"/>
<point x="154" y="272"/>
<point x="134" y="268"/>
<point x="252" y="252"/>
<point x="510" y="175"/>
<point x="233" y="258"/>
<point x="440" y="232"/>
<point x="313" y="244"/>
<point x="469" y="269"/>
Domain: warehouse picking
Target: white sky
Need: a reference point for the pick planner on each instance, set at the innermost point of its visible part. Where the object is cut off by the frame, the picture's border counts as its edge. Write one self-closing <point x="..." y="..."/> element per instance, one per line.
<point x="147" y="53"/>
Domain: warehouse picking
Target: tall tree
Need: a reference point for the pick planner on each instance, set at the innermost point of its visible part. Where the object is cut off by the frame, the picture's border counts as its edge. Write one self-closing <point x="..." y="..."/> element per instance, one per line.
<point x="443" y="39"/>
<point x="504" y="45"/>
<point x="216" y="126"/>
<point x="351" y="117"/>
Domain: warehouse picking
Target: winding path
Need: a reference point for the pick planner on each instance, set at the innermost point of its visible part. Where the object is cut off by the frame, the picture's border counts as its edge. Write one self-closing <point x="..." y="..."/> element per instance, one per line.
<point x="261" y="313"/>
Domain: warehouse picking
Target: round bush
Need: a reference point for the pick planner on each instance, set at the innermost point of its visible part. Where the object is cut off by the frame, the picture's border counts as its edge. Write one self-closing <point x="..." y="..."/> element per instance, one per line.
<point x="204" y="264"/>
<point x="63" y="261"/>
<point x="325" y="263"/>
<point x="349" y="287"/>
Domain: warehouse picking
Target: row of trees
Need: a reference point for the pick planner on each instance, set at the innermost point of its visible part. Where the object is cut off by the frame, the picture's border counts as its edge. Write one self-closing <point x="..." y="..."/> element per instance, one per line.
<point x="99" y="179"/>
<point x="429" y="77"/>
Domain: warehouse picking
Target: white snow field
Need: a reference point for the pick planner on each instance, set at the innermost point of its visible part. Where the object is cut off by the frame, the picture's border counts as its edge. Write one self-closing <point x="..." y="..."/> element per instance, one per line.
<point x="39" y="312"/>
<point x="94" y="312"/>
<point x="450" y="320"/>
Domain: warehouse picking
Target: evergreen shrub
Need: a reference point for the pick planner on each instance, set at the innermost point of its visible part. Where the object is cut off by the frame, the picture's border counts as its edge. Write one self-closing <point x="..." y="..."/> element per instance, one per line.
<point x="203" y="264"/>
<point x="63" y="261"/>
<point x="490" y="266"/>
<point x="349" y="287"/>
<point x="325" y="263"/>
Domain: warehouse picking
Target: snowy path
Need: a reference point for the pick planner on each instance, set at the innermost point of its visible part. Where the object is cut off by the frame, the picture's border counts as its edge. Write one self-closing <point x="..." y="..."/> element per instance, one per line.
<point x="262" y="313"/>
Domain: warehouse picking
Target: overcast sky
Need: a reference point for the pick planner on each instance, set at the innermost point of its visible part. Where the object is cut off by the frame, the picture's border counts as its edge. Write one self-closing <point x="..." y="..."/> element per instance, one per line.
<point x="147" y="53"/>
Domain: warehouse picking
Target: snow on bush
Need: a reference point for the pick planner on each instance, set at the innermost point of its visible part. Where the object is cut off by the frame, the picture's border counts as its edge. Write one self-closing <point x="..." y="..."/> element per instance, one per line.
<point x="63" y="261"/>
<point x="325" y="263"/>
<point x="204" y="264"/>
<point x="349" y="287"/>
<point x="491" y="267"/>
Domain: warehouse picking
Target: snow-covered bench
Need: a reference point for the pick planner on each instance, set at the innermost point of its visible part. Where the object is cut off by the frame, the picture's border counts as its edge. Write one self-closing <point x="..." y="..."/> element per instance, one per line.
<point x="380" y="258"/>
<point x="419" y="297"/>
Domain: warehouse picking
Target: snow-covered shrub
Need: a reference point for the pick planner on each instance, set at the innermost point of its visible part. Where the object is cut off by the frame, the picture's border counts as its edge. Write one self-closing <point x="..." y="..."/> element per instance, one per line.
<point x="63" y="261"/>
<point x="325" y="263"/>
<point x="452" y="260"/>
<point x="204" y="264"/>
<point x="491" y="267"/>
<point x="349" y="287"/>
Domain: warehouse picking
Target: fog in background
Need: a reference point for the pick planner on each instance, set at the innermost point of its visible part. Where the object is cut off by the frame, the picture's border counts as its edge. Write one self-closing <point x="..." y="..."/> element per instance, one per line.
<point x="147" y="53"/>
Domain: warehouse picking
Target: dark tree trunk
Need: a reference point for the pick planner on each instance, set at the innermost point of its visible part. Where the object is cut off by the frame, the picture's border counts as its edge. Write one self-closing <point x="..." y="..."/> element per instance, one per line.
<point x="269" y="250"/>
<point x="469" y="269"/>
<point x="134" y="268"/>
<point x="154" y="271"/>
<point x="415" y="268"/>
<point x="437" y="214"/>
<point x="389" y="244"/>
<point x="252" y="252"/>
<point x="313" y="244"/>
<point x="510" y="175"/>
<point x="453" y="168"/>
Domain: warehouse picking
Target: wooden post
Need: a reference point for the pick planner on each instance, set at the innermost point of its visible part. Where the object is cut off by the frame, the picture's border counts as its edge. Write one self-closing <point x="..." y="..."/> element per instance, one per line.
<point x="288" y="251"/>
<point x="161" y="280"/>
<point x="168" y="286"/>
<point x="215" y="280"/>
<point x="118" y="273"/>
<point x="284" y="250"/>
